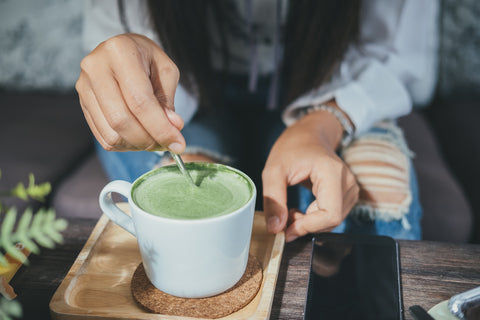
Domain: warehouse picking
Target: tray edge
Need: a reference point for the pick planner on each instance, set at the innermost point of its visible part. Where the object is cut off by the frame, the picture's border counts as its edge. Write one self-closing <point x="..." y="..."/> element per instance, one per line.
<point x="55" y="305"/>
<point x="272" y="276"/>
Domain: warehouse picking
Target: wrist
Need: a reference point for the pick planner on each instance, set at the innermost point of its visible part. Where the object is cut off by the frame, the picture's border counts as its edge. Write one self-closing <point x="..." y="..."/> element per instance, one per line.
<point x="323" y="126"/>
<point x="338" y="125"/>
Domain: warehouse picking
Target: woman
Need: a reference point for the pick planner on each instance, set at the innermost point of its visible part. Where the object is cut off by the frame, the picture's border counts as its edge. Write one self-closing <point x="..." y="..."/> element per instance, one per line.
<point x="336" y="72"/>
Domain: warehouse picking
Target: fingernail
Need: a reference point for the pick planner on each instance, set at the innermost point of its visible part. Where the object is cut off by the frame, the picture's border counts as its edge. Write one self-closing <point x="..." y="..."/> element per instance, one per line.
<point x="273" y="223"/>
<point x="175" y="147"/>
<point x="171" y="113"/>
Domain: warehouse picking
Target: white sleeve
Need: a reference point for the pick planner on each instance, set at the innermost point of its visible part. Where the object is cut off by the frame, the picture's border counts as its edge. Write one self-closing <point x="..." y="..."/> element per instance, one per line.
<point x="102" y="21"/>
<point x="393" y="67"/>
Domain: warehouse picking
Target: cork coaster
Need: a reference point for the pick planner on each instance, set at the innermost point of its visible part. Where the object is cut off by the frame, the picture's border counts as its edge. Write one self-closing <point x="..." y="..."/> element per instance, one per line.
<point x="232" y="300"/>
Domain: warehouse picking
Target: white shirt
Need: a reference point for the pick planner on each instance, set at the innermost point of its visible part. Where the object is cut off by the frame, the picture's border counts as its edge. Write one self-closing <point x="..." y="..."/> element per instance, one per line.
<point x="394" y="67"/>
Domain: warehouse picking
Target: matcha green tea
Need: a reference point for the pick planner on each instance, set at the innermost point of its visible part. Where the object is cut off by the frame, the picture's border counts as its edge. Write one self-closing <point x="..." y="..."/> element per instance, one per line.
<point x="166" y="193"/>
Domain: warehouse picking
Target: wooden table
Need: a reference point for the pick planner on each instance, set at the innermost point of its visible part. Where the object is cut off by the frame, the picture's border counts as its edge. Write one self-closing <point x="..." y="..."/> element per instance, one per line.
<point x="431" y="272"/>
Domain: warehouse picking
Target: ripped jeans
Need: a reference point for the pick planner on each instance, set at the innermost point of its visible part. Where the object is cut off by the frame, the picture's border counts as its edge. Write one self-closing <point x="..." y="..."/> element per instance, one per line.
<point x="389" y="199"/>
<point x="241" y="134"/>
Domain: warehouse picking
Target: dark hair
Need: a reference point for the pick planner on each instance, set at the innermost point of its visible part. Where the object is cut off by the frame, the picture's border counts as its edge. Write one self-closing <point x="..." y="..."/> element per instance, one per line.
<point x="316" y="36"/>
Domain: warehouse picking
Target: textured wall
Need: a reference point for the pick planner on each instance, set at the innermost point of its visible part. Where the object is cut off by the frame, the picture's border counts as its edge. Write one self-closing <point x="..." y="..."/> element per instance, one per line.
<point x="40" y="44"/>
<point x="459" y="71"/>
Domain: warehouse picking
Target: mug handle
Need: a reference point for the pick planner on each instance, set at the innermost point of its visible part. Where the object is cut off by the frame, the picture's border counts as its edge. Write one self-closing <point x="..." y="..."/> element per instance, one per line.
<point x="110" y="208"/>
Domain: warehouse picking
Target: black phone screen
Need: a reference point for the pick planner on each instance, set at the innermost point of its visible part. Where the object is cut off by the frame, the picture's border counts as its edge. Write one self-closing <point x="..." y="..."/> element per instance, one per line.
<point x="354" y="277"/>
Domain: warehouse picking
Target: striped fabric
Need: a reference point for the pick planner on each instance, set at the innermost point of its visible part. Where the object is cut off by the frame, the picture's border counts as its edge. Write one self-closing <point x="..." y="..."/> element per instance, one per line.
<point x="381" y="166"/>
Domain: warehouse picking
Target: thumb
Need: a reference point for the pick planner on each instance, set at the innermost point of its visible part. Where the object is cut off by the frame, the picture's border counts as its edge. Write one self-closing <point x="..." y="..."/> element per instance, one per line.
<point x="174" y="118"/>
<point x="274" y="201"/>
<point x="315" y="219"/>
<point x="165" y="76"/>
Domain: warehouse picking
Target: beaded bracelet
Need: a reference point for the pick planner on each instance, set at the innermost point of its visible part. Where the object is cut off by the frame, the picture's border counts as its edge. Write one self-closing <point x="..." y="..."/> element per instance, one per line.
<point x="348" y="130"/>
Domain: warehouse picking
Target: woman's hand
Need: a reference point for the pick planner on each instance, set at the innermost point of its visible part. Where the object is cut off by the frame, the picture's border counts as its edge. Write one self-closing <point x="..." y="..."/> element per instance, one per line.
<point x="126" y="88"/>
<point x="305" y="154"/>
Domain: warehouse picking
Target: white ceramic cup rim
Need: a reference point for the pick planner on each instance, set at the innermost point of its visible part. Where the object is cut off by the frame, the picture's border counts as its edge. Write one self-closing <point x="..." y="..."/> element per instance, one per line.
<point x="194" y="221"/>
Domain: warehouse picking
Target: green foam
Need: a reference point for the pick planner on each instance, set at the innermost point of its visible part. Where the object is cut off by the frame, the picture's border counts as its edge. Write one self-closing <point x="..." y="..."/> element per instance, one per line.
<point x="166" y="193"/>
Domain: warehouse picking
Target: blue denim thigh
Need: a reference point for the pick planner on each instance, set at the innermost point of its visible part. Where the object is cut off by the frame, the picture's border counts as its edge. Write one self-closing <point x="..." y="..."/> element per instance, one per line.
<point x="128" y="165"/>
<point x="362" y="219"/>
<point x="408" y="227"/>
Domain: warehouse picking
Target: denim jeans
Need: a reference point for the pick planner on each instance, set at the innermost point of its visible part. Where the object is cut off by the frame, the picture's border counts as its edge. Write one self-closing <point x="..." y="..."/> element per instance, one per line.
<point x="408" y="227"/>
<point x="240" y="132"/>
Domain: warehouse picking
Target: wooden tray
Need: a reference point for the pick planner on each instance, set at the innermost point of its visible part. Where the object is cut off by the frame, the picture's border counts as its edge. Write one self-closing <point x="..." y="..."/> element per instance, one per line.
<point x="98" y="284"/>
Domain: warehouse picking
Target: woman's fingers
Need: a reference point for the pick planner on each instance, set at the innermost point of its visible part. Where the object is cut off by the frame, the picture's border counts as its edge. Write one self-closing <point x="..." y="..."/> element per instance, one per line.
<point x="333" y="202"/>
<point x="164" y="76"/>
<point x="118" y="115"/>
<point x="274" y="199"/>
<point x="174" y="118"/>
<point x="323" y="214"/>
<point x="101" y="129"/>
<point x="127" y="86"/>
<point x="137" y="91"/>
<point x="92" y="125"/>
<point x="303" y="224"/>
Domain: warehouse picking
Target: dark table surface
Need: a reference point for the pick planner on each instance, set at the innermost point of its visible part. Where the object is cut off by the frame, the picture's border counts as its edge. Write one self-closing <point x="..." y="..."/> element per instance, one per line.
<point x="431" y="272"/>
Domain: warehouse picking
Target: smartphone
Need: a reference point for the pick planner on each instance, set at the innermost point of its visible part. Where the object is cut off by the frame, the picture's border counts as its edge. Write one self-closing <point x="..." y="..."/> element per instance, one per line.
<point x="354" y="277"/>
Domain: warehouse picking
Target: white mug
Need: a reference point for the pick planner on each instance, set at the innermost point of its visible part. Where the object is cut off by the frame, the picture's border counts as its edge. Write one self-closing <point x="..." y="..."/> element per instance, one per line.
<point x="186" y="258"/>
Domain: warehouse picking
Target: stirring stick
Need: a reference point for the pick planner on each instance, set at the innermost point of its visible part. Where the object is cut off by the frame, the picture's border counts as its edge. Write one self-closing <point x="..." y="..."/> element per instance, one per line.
<point x="181" y="166"/>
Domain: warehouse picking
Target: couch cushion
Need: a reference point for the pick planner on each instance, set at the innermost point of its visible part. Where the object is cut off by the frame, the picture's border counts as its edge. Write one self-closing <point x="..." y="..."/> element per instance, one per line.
<point x="45" y="134"/>
<point x="446" y="212"/>
<point x="455" y="123"/>
<point x="78" y="195"/>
